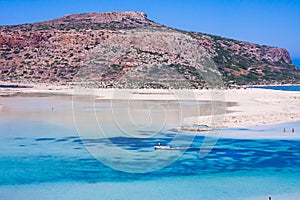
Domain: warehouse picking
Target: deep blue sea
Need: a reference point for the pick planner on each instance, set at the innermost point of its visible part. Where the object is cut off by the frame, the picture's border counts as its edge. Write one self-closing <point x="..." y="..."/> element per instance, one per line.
<point x="296" y="62"/>
<point x="284" y="88"/>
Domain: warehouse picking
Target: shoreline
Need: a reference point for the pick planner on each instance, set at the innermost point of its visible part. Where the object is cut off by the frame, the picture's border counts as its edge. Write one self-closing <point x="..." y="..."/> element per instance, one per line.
<point x="271" y="85"/>
<point x="253" y="106"/>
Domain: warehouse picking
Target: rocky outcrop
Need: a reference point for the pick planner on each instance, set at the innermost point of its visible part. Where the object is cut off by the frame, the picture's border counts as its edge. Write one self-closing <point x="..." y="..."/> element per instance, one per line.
<point x="107" y="17"/>
<point x="125" y="49"/>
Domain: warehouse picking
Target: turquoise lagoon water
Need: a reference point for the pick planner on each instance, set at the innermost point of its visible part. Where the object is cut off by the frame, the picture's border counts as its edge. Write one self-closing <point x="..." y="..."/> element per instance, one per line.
<point x="42" y="155"/>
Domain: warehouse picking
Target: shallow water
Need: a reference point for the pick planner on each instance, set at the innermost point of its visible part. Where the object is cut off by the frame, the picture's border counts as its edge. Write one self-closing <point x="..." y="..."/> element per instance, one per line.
<point x="46" y="159"/>
<point x="42" y="149"/>
<point x="233" y="187"/>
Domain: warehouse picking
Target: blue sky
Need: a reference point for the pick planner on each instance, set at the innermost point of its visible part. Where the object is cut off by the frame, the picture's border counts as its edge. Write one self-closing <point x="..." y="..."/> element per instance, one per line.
<point x="270" y="22"/>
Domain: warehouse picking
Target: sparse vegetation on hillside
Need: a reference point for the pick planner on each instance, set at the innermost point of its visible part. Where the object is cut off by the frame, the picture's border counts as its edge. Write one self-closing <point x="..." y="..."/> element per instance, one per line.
<point x="128" y="44"/>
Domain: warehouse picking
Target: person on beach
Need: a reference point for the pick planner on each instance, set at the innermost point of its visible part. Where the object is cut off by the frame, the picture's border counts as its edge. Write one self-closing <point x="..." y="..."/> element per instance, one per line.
<point x="284" y="130"/>
<point x="293" y="130"/>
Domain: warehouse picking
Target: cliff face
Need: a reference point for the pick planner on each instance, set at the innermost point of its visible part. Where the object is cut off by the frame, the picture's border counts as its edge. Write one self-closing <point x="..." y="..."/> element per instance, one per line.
<point x="248" y="63"/>
<point x="123" y="49"/>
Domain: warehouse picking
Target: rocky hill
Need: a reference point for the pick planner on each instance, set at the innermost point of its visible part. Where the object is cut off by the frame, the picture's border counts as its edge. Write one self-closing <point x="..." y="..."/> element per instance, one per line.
<point x="125" y="49"/>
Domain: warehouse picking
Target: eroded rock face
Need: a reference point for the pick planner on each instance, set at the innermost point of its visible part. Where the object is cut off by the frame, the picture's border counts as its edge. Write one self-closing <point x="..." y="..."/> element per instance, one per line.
<point x="248" y="63"/>
<point x="127" y="43"/>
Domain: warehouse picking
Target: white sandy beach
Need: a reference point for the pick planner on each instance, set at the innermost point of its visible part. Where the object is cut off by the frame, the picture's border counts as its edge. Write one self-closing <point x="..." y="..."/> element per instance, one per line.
<point x="251" y="107"/>
<point x="258" y="107"/>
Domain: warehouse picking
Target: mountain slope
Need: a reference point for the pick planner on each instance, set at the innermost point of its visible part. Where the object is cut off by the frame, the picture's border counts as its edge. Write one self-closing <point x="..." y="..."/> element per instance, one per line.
<point x="125" y="49"/>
